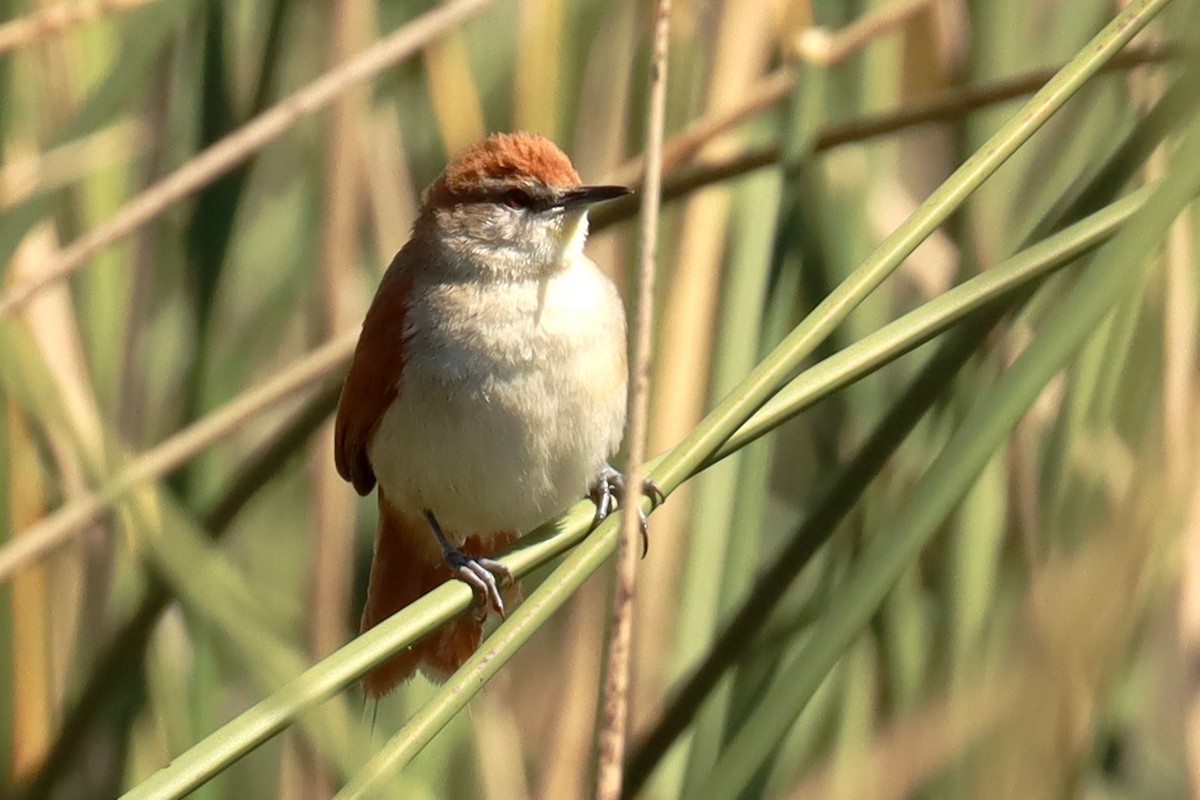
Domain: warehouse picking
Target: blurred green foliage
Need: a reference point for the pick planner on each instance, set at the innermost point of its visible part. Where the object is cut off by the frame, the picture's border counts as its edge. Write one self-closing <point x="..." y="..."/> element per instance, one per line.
<point x="969" y="573"/>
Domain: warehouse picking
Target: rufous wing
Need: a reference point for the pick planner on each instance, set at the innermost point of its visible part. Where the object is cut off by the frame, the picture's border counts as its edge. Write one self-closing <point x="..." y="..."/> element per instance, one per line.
<point x="375" y="370"/>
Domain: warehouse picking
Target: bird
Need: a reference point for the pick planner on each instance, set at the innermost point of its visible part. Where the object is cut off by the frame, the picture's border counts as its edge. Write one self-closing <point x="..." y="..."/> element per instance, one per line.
<point x="487" y="390"/>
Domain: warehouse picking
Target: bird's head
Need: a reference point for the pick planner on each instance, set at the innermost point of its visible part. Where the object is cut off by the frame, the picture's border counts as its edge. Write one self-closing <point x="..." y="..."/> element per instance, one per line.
<point x="513" y="204"/>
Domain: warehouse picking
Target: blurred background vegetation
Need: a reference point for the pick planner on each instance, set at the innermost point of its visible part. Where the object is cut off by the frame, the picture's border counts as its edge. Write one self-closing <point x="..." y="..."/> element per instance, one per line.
<point x="175" y="543"/>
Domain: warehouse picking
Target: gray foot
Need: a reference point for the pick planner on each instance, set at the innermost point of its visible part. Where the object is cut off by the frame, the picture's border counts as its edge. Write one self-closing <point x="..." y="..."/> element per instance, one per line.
<point x="609" y="491"/>
<point x="478" y="573"/>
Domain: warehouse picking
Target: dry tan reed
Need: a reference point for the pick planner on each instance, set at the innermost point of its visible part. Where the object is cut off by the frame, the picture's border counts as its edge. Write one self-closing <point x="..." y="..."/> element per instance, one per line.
<point x="58" y="18"/>
<point x="615" y="695"/>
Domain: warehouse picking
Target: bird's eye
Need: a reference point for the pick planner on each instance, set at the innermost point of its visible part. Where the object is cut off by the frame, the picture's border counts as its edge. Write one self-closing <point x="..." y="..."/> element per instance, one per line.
<point x="517" y="198"/>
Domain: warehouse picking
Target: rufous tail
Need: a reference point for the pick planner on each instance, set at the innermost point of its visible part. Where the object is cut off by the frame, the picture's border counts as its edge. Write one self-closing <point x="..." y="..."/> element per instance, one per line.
<point x="408" y="563"/>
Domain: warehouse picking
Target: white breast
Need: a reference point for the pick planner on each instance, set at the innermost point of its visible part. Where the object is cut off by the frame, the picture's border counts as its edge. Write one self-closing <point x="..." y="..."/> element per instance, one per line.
<point x="510" y="402"/>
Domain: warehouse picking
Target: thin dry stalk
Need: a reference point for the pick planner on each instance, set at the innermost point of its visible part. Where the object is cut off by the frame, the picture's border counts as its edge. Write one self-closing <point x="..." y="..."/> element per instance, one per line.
<point x="824" y="48"/>
<point x="56" y="19"/>
<point x="764" y="94"/>
<point x="745" y="32"/>
<point x="58" y="528"/>
<point x="945" y="106"/>
<point x="615" y="703"/>
<point x="236" y="147"/>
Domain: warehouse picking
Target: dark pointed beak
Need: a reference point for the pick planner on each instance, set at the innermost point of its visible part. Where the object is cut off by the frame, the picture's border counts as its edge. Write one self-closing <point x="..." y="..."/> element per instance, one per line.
<point x="590" y="195"/>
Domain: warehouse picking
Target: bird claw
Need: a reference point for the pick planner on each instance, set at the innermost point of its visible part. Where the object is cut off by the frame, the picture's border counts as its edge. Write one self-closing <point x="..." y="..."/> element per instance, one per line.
<point x="478" y="573"/>
<point x="609" y="491"/>
<point x="481" y="575"/>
